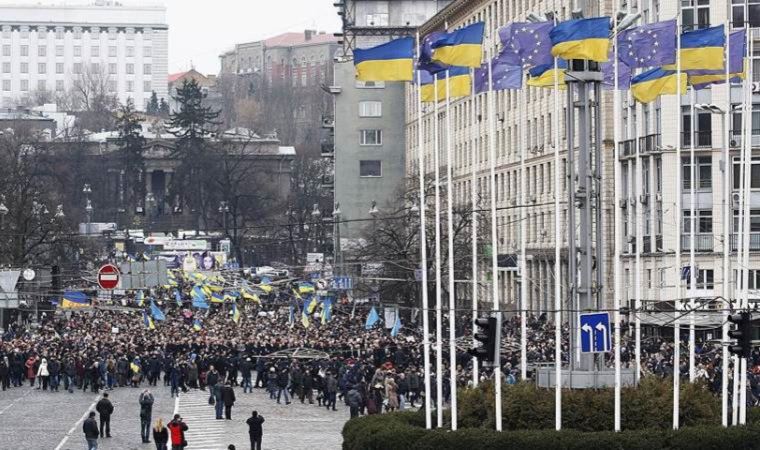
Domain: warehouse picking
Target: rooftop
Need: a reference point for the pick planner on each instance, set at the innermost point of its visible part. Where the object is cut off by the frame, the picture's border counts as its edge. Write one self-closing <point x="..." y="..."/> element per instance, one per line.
<point x="296" y="39"/>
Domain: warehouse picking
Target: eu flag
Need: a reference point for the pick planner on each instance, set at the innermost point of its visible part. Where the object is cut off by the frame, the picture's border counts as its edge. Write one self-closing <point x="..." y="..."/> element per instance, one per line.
<point x="649" y="45"/>
<point x="582" y="39"/>
<point x="425" y="61"/>
<point x="392" y="61"/>
<point x="463" y="47"/>
<point x="504" y="75"/>
<point x="526" y="44"/>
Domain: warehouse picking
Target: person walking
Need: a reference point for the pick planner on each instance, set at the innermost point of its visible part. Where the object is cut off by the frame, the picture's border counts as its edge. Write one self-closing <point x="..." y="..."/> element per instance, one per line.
<point x="146" y="411"/>
<point x="255" y="430"/>
<point x="354" y="401"/>
<point x="216" y="391"/>
<point x="245" y="371"/>
<point x="331" y="391"/>
<point x="282" y="385"/>
<point x="105" y="409"/>
<point x="43" y="374"/>
<point x="90" y="429"/>
<point x="228" y="397"/>
<point x="177" y="430"/>
<point x="160" y="435"/>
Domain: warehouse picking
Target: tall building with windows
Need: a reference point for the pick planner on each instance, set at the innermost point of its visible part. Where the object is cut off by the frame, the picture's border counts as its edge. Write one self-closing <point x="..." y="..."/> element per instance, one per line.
<point x="64" y="48"/>
<point x="369" y="122"/>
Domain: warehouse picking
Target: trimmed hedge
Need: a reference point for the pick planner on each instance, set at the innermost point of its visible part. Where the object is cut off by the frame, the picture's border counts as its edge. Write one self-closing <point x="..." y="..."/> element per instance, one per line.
<point x="401" y="431"/>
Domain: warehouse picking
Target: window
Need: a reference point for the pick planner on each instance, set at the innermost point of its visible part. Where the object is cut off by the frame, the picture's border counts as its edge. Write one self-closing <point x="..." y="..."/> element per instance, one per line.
<point x="370" y="168"/>
<point x="705" y="279"/>
<point x="753" y="279"/>
<point x="77" y="68"/>
<point x="703" y="172"/>
<point x="146" y="86"/>
<point x="41" y="50"/>
<point x="24" y="33"/>
<point x="695" y="14"/>
<point x="24" y="85"/>
<point x="6" y="67"/>
<point x="130" y="52"/>
<point x="147" y="52"/>
<point x="371" y="137"/>
<point x="112" y="51"/>
<point x="59" y="68"/>
<point x="704" y="221"/>
<point x="95" y="51"/>
<point x="77" y="51"/>
<point x="377" y="20"/>
<point x="24" y="50"/>
<point x="59" y="85"/>
<point x="94" y="67"/>
<point x="112" y="68"/>
<point x="6" y="85"/>
<point x="702" y="132"/>
<point x="147" y="69"/>
<point x="370" y="109"/>
<point x="41" y="86"/>
<point x="59" y="50"/>
<point x="77" y="33"/>
<point x="370" y="84"/>
<point x="130" y="68"/>
<point x="111" y="86"/>
<point x="6" y="32"/>
<point x="41" y="68"/>
<point x="754" y="176"/>
<point x="130" y="86"/>
<point x="6" y="50"/>
<point x="59" y="33"/>
<point x="24" y="67"/>
<point x="753" y="9"/>
<point x="754" y="221"/>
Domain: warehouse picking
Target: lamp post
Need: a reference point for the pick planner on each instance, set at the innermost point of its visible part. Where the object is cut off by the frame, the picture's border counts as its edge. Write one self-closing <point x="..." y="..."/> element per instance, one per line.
<point x="336" y="240"/>
<point x="87" y="190"/>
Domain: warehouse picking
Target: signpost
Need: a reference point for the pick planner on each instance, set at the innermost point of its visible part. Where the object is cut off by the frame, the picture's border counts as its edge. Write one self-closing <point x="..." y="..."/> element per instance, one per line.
<point x="595" y="333"/>
<point x="342" y="283"/>
<point x="108" y="276"/>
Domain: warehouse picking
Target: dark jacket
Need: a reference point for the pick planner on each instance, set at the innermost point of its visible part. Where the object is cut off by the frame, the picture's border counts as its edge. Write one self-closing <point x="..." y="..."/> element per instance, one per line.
<point x="90" y="428"/>
<point x="104" y="407"/>
<point x="146" y="404"/>
<point x="254" y="425"/>
<point x="228" y="395"/>
<point x="161" y="436"/>
<point x="282" y="379"/>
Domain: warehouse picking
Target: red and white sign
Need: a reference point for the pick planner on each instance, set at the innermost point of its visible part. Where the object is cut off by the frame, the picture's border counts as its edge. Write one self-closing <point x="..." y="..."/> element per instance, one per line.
<point x="108" y="276"/>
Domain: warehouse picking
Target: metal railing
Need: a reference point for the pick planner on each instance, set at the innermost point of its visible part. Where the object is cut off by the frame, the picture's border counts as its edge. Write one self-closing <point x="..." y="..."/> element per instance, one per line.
<point x="703" y="242"/>
<point x="754" y="241"/>
<point x="701" y="138"/>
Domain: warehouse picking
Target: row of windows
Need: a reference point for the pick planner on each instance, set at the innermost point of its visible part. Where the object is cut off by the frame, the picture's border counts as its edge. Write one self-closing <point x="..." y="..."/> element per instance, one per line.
<point x="77" y="33"/>
<point x="60" y="86"/>
<point x="44" y="50"/>
<point x="42" y="68"/>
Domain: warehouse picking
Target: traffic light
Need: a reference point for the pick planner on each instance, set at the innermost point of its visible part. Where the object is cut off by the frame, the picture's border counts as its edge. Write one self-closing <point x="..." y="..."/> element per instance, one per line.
<point x="742" y="333"/>
<point x="488" y="336"/>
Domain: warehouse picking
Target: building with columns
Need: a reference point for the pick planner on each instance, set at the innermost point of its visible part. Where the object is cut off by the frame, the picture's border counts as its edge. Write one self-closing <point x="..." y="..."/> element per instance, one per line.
<point x="59" y="48"/>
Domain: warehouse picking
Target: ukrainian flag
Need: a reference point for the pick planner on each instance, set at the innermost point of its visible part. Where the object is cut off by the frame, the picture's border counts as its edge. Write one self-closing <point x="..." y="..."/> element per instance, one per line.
<point x="427" y="86"/>
<point x="545" y="74"/>
<point x="235" y="314"/>
<point x="582" y="39"/>
<point x="392" y="61"/>
<point x="217" y="298"/>
<point x="197" y="325"/>
<point x="73" y="300"/>
<point x="459" y="80"/>
<point x="148" y="321"/>
<point x="702" y="81"/>
<point x="305" y="319"/>
<point x="463" y="47"/>
<point x="305" y="288"/>
<point x="312" y="305"/>
<point x="701" y="50"/>
<point x="649" y="85"/>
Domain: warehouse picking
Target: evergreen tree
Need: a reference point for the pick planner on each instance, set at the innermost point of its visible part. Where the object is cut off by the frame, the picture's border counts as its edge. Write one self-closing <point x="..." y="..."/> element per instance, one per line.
<point x="163" y="108"/>
<point x="192" y="123"/>
<point x="131" y="148"/>
<point x="152" y="108"/>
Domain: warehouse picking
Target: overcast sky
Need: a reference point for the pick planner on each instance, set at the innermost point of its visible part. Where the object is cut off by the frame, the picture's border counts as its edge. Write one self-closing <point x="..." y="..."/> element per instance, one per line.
<point x="199" y="30"/>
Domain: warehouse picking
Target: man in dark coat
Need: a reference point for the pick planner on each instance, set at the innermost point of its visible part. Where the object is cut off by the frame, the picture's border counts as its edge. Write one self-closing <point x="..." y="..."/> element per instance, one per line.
<point x="105" y="409"/>
<point x="146" y="411"/>
<point x="90" y="429"/>
<point x="228" y="397"/>
<point x="255" y="430"/>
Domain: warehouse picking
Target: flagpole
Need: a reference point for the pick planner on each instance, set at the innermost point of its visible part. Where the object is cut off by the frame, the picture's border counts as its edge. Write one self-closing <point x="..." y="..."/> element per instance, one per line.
<point x="557" y="261"/>
<point x="692" y="234"/>
<point x="474" y="221"/>
<point x="438" y="316"/>
<point x="423" y="251"/>
<point x="726" y="233"/>
<point x="617" y="228"/>
<point x="494" y="232"/>
<point x="450" y="232"/>
<point x="523" y="240"/>
<point x="677" y="214"/>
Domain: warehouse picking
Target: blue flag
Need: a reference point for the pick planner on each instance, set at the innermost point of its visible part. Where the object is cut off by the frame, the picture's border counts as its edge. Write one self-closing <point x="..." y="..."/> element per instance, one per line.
<point x="505" y="76"/>
<point x="526" y="44"/>
<point x="199" y="298"/>
<point x="178" y="297"/>
<point x="649" y="45"/>
<point x="156" y="312"/>
<point x="396" y="326"/>
<point x="425" y="60"/>
<point x="372" y="319"/>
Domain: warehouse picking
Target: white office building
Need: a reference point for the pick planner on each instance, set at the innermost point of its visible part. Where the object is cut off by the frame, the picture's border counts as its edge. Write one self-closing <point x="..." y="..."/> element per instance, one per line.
<point x="58" y="48"/>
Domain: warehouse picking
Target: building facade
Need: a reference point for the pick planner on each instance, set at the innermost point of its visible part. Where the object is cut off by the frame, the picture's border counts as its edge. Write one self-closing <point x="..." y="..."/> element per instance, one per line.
<point x="63" y="48"/>
<point x="369" y="133"/>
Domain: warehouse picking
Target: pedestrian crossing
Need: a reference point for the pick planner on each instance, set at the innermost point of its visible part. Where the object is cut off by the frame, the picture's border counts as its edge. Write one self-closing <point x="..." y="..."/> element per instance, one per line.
<point x="204" y="431"/>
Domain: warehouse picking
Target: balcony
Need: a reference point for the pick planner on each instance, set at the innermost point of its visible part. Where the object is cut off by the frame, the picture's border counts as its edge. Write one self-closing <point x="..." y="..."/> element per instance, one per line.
<point x="650" y="143"/>
<point x="754" y="241"/>
<point x="703" y="242"/>
<point x="736" y="138"/>
<point x="702" y="139"/>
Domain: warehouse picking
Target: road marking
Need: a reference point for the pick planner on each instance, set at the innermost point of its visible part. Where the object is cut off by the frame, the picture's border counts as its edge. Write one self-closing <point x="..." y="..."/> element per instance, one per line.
<point x="81" y="419"/>
<point x="204" y="430"/>
<point x="14" y="402"/>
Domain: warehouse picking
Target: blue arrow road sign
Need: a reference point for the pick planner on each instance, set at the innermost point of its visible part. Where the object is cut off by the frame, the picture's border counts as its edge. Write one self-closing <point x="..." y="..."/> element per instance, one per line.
<point x="595" y="333"/>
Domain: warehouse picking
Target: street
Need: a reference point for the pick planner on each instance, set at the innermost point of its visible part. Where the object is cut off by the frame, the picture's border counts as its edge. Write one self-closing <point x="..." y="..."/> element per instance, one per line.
<point x="32" y="419"/>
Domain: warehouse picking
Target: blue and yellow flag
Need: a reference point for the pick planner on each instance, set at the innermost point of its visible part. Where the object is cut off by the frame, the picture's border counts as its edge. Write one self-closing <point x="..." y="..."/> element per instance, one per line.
<point x="235" y="313"/>
<point x="305" y="288"/>
<point x="305" y="319"/>
<point x="312" y="305"/>
<point x="178" y="297"/>
<point x="701" y="79"/>
<point x="582" y="39"/>
<point x="392" y="61"/>
<point x="701" y="50"/>
<point x="74" y="300"/>
<point x="197" y="325"/>
<point x="156" y="312"/>
<point x="459" y="80"/>
<point x="217" y="298"/>
<point x="545" y="74"/>
<point x="252" y="297"/>
<point x="463" y="47"/>
<point x="148" y="321"/>
<point x="649" y="85"/>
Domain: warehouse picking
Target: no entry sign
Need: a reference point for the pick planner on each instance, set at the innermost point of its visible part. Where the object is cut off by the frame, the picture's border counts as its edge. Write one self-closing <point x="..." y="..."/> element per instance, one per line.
<point x="108" y="276"/>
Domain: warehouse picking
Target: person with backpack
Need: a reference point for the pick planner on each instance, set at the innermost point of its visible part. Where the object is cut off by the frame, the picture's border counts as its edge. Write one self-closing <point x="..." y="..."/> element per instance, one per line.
<point x="177" y="430"/>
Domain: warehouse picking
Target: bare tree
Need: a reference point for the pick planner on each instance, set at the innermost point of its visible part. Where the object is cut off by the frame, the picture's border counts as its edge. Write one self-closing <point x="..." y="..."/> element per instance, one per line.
<point x="93" y="96"/>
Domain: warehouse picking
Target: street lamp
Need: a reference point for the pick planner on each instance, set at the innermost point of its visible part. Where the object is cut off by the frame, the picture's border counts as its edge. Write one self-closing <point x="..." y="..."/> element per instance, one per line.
<point x="373" y="211"/>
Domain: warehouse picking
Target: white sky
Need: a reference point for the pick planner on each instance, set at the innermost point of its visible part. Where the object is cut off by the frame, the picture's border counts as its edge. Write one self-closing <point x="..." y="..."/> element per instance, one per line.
<point x="200" y="30"/>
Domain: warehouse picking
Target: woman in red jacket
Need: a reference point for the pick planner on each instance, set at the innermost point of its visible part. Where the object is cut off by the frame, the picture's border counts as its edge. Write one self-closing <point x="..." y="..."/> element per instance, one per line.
<point x="31" y="371"/>
<point x="177" y="430"/>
